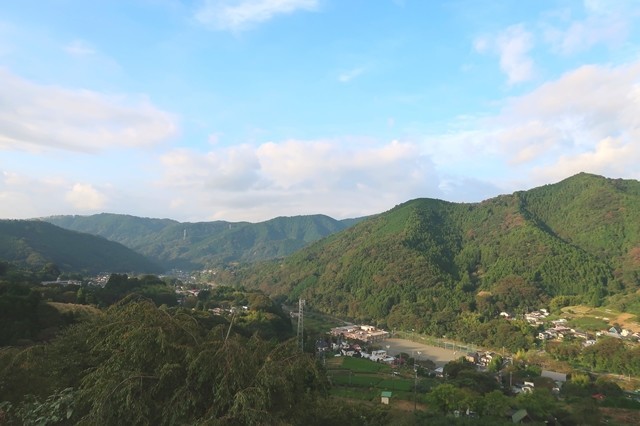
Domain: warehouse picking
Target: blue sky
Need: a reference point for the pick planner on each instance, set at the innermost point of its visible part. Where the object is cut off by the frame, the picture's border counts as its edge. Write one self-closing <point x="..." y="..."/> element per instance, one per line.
<point x="251" y="109"/>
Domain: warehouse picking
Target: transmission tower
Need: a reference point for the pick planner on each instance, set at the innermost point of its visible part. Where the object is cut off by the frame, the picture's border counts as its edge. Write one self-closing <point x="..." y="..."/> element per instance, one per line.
<point x="301" y="324"/>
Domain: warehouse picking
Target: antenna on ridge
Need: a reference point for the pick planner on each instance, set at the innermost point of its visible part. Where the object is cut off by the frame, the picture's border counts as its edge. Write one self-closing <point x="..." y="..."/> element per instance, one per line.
<point x="301" y="303"/>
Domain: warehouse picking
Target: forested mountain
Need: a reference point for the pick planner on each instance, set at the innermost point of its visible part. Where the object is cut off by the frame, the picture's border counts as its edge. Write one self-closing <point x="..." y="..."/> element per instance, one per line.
<point x="36" y="243"/>
<point x="445" y="267"/>
<point x="194" y="245"/>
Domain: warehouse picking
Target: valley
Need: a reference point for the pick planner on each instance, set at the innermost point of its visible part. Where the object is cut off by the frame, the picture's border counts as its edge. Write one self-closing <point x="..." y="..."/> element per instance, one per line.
<point x="541" y="280"/>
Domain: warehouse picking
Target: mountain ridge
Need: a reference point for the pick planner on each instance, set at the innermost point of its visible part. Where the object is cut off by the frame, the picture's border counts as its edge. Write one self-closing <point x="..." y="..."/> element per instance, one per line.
<point x="192" y="245"/>
<point x="426" y="261"/>
<point x="35" y="243"/>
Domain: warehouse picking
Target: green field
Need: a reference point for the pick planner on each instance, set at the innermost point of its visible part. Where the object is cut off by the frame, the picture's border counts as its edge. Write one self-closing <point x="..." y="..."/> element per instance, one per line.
<point x="588" y="323"/>
<point x="364" y="379"/>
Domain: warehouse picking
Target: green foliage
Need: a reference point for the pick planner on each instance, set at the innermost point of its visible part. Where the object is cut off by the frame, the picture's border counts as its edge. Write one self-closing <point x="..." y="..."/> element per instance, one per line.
<point x="51" y="249"/>
<point x="138" y="364"/>
<point x="194" y="245"/>
<point x="120" y="286"/>
<point x="56" y="409"/>
<point x="444" y="268"/>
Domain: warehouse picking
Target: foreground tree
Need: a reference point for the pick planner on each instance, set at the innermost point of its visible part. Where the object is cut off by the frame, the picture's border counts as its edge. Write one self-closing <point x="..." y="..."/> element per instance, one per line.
<point x="138" y="364"/>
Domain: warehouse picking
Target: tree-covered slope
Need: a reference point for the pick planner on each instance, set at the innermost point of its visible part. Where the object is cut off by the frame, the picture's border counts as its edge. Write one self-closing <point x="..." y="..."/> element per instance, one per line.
<point x="426" y="261"/>
<point x="36" y="243"/>
<point x="189" y="245"/>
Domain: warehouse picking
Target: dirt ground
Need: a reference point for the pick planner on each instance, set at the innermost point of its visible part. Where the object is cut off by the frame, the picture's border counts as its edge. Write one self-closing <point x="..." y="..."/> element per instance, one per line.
<point x="438" y="355"/>
<point x="625" y="321"/>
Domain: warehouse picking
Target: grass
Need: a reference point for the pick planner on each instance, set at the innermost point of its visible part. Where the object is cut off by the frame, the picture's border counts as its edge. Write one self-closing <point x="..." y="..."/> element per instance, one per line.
<point x="361" y="365"/>
<point x="363" y="379"/>
<point x="396" y="385"/>
<point x="82" y="311"/>
<point x="345" y="392"/>
<point x="589" y="323"/>
<point x="320" y="323"/>
<point x="355" y="380"/>
<point x="607" y="316"/>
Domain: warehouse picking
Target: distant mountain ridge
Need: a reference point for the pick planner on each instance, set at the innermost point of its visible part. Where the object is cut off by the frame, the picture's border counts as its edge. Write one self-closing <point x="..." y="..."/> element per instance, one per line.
<point x="195" y="245"/>
<point x="425" y="262"/>
<point x="35" y="243"/>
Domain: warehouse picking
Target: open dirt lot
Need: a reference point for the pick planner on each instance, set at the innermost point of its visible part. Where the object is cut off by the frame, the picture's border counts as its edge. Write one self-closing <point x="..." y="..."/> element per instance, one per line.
<point x="438" y="355"/>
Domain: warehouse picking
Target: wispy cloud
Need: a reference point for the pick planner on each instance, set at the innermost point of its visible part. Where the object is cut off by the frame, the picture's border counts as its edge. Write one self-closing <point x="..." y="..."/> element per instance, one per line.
<point x="349" y="75"/>
<point x="512" y="46"/>
<point x="604" y="23"/>
<point x="586" y="120"/>
<point x="36" y="117"/>
<point x="239" y="15"/>
<point x="79" y="48"/>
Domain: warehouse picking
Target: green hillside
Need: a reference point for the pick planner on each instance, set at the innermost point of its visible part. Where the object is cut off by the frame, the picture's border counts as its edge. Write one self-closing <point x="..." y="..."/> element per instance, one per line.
<point x="36" y="243"/>
<point x="194" y="245"/>
<point x="425" y="262"/>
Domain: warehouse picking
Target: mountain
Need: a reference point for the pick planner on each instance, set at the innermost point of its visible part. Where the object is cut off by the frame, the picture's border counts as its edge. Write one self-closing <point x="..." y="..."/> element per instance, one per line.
<point x="425" y="262"/>
<point x="194" y="245"/>
<point x="36" y="243"/>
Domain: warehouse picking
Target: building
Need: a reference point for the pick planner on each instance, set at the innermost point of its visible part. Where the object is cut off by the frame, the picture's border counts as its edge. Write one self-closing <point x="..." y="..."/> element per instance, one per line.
<point x="385" y="397"/>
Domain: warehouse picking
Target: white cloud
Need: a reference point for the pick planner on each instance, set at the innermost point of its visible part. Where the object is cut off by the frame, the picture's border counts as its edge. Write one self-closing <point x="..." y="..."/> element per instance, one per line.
<point x="349" y="75"/>
<point x="587" y="120"/>
<point x="79" y="48"/>
<point x="610" y="157"/>
<point x="36" y="117"/>
<point x="342" y="178"/>
<point x="604" y="22"/>
<point x="512" y="46"/>
<point x="481" y="44"/>
<point x="86" y="197"/>
<point x="238" y="15"/>
<point x="22" y="196"/>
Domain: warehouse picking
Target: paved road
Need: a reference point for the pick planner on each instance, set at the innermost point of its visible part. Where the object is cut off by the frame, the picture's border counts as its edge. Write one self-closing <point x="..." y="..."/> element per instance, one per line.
<point x="438" y="355"/>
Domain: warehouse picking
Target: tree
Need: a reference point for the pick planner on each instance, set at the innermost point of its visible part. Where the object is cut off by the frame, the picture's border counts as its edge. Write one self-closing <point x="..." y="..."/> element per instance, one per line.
<point x="138" y="364"/>
<point x="495" y="404"/>
<point x="445" y="398"/>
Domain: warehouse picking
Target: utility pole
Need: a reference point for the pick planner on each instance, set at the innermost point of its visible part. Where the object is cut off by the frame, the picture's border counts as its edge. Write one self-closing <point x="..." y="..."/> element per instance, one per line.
<point x="415" y="383"/>
<point x="301" y="303"/>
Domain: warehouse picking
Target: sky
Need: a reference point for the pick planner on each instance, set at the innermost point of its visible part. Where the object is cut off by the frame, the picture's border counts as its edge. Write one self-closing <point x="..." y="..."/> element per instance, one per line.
<point x="245" y="110"/>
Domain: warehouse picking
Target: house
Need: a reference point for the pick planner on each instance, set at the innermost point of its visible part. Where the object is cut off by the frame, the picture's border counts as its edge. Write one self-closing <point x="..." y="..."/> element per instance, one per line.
<point x="321" y="346"/>
<point x="472" y="357"/>
<point x="555" y="376"/>
<point x="521" y="416"/>
<point x="385" y="397"/>
<point x="486" y="358"/>
<point x="544" y="335"/>
<point x="614" y="332"/>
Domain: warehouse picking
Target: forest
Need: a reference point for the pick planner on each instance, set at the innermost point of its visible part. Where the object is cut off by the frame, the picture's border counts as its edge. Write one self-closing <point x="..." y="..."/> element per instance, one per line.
<point x="449" y="268"/>
<point x="138" y="360"/>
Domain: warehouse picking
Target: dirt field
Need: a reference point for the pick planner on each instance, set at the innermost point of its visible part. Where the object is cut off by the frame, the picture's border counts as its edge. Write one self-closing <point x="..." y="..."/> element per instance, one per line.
<point x="625" y="320"/>
<point x="438" y="355"/>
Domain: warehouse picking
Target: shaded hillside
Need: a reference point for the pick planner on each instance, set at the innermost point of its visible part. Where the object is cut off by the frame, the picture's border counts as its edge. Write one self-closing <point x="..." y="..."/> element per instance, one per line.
<point x="423" y="263"/>
<point x="36" y="243"/>
<point x="193" y="245"/>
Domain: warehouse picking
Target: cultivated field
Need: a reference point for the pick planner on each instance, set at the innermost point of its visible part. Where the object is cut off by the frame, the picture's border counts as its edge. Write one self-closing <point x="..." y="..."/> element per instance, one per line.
<point x="606" y="316"/>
